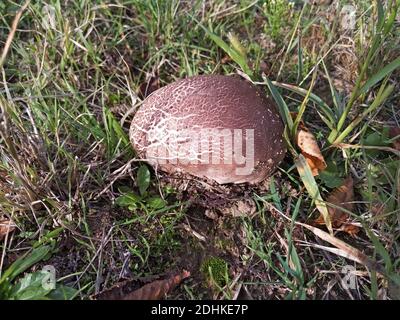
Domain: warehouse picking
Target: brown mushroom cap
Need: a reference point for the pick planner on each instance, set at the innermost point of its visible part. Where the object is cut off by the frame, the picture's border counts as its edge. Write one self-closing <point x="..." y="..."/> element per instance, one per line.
<point x="205" y="126"/>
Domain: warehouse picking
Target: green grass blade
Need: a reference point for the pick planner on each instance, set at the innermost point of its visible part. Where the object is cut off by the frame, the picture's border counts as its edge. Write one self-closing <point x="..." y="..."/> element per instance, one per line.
<point x="275" y="195"/>
<point x="373" y="80"/>
<point x="381" y="97"/>
<point x="143" y="179"/>
<point x="373" y="49"/>
<point x="300" y="60"/>
<point x="313" y="190"/>
<point x="335" y="96"/>
<point x="381" y="15"/>
<point x="24" y="263"/>
<point x="392" y="17"/>
<point x="380" y="249"/>
<point x="313" y="97"/>
<point x="235" y="55"/>
<point x="374" y="286"/>
<point x="282" y="106"/>
<point x="303" y="106"/>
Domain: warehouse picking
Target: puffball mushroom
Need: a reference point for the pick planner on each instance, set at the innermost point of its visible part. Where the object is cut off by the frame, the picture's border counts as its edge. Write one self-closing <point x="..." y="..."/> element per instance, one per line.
<point x="216" y="127"/>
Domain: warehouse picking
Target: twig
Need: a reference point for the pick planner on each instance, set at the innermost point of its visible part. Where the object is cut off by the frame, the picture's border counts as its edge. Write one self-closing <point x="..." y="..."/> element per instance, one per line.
<point x="12" y="32"/>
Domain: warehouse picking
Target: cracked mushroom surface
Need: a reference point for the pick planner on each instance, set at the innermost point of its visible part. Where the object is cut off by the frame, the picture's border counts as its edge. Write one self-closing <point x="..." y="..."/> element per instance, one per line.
<point x="220" y="128"/>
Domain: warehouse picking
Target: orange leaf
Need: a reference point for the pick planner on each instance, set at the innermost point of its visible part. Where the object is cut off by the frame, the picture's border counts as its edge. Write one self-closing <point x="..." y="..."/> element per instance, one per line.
<point x="6" y="226"/>
<point x="341" y="197"/>
<point x="154" y="290"/>
<point x="310" y="149"/>
<point x="351" y="229"/>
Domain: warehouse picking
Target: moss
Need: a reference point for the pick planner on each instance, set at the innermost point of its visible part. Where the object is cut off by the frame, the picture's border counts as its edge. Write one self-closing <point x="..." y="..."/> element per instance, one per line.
<point x="215" y="270"/>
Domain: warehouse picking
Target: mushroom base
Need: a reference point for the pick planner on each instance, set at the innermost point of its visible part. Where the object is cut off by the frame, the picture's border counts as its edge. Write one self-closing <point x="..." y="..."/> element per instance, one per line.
<point x="228" y="199"/>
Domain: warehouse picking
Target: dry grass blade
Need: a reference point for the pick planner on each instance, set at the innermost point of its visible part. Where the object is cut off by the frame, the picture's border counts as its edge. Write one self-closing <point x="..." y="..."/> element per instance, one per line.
<point x="345" y="250"/>
<point x="337" y="251"/>
<point x="12" y="32"/>
<point x="395" y="150"/>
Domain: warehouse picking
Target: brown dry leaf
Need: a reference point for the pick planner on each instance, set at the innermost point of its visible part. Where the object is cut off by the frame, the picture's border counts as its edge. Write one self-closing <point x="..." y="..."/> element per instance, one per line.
<point x="310" y="149"/>
<point x="395" y="132"/>
<point x="341" y="197"/>
<point x="154" y="290"/>
<point x="351" y="229"/>
<point x="6" y="226"/>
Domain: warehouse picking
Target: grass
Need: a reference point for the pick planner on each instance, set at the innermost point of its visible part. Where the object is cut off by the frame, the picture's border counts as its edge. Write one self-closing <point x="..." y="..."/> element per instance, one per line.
<point x="72" y="77"/>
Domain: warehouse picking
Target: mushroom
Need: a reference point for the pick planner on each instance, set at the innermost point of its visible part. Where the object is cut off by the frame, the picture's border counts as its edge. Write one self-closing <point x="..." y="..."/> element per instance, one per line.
<point x="215" y="127"/>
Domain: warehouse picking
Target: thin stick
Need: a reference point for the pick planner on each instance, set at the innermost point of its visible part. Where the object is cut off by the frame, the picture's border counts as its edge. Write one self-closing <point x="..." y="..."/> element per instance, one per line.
<point x="12" y="32"/>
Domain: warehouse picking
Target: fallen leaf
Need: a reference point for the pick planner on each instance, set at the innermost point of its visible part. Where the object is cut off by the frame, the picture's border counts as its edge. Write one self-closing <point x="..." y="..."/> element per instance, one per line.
<point x="6" y="226"/>
<point x="393" y="133"/>
<point x="154" y="290"/>
<point x="310" y="149"/>
<point x="350" y="229"/>
<point x="341" y="198"/>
